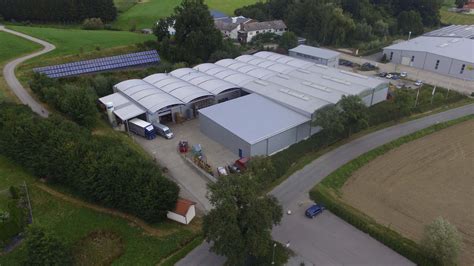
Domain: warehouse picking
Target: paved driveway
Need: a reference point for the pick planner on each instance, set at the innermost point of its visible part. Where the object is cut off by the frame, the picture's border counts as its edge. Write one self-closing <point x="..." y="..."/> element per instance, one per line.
<point x="193" y="185"/>
<point x="428" y="77"/>
<point x="12" y="81"/>
<point x="328" y="240"/>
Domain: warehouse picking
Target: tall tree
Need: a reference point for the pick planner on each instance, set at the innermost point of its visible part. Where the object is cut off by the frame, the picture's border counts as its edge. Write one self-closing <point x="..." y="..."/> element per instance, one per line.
<point x="331" y="120"/>
<point x="196" y="36"/>
<point x="355" y="113"/>
<point x="288" y="40"/>
<point x="410" y="21"/>
<point x="241" y="221"/>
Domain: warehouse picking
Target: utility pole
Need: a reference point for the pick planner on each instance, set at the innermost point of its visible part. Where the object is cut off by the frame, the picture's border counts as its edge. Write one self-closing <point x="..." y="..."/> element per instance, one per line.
<point x="29" y="203"/>
<point x="273" y="256"/>
<point x="409" y="35"/>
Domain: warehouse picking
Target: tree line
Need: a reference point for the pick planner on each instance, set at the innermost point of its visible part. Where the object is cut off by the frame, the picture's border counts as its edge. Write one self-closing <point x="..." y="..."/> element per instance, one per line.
<point x="57" y="11"/>
<point x="100" y="169"/>
<point x="348" y="22"/>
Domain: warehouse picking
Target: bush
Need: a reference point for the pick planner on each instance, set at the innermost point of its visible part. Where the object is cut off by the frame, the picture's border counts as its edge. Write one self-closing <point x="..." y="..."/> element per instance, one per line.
<point x="442" y="242"/>
<point x="45" y="249"/>
<point x="12" y="223"/>
<point x="93" y="24"/>
<point x="14" y="192"/>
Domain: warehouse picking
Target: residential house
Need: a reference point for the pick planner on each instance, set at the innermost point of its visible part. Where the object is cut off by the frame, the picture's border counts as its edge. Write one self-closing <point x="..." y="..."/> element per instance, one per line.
<point x="249" y="30"/>
<point x="230" y="26"/>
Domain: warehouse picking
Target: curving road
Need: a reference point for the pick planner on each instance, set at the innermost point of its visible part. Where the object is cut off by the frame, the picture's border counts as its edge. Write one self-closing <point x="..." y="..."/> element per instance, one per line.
<point x="328" y="240"/>
<point x="14" y="83"/>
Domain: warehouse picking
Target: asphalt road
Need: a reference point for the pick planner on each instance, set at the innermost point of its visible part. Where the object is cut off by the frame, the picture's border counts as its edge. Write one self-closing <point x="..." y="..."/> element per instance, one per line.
<point x="12" y="81"/>
<point x="327" y="239"/>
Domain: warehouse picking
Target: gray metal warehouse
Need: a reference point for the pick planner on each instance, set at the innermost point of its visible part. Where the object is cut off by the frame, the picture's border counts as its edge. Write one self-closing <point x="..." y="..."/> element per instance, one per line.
<point x="316" y="55"/>
<point x="286" y="93"/>
<point x="272" y="127"/>
<point x="447" y="51"/>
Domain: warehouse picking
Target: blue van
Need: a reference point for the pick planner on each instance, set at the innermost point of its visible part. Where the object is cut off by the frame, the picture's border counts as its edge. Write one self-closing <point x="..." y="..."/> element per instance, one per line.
<point x="314" y="210"/>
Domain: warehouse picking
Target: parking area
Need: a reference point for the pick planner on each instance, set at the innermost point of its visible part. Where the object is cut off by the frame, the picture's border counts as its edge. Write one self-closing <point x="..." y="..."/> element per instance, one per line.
<point x="165" y="151"/>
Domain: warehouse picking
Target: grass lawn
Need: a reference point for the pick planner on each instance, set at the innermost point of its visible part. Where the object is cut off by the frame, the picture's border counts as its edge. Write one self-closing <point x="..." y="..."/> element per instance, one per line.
<point x="124" y="5"/>
<point x="73" y="42"/>
<point x="82" y="228"/>
<point x="11" y="47"/>
<point x="145" y="14"/>
<point x="448" y="17"/>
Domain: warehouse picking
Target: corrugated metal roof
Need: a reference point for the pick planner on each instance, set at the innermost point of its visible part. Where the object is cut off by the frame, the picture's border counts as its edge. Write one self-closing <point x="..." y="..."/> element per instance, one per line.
<point x="453" y="31"/>
<point x="315" y="51"/>
<point x="203" y="81"/>
<point x="129" y="111"/>
<point x="456" y="48"/>
<point x="116" y="99"/>
<point x="267" y="117"/>
<point x="148" y="96"/>
<point x="182" y="90"/>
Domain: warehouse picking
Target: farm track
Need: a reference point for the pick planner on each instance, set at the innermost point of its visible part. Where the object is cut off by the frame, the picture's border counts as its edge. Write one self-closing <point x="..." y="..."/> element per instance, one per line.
<point x="77" y="202"/>
<point x="12" y="81"/>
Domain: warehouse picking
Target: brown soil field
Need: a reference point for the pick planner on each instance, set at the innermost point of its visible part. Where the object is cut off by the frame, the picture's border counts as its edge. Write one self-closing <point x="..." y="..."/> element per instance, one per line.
<point x="411" y="185"/>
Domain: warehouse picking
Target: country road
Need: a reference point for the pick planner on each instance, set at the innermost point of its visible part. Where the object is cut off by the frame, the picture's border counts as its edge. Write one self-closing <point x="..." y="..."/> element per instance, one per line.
<point x="328" y="240"/>
<point x="14" y="83"/>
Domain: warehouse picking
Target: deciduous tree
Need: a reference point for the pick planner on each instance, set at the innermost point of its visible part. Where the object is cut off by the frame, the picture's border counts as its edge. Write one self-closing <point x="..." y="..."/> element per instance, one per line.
<point x="239" y="226"/>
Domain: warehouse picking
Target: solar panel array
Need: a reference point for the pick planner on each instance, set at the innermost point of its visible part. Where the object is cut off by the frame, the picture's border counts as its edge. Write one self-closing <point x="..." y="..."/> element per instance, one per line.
<point x="101" y="64"/>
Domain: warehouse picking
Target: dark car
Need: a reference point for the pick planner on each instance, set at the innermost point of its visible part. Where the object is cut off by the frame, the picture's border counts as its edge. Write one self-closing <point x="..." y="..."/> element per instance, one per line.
<point x="314" y="210"/>
<point x="383" y="74"/>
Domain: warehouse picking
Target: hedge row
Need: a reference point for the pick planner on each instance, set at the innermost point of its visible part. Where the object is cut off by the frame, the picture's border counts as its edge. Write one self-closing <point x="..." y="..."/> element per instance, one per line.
<point x="100" y="169"/>
<point x="328" y="193"/>
<point x="57" y="11"/>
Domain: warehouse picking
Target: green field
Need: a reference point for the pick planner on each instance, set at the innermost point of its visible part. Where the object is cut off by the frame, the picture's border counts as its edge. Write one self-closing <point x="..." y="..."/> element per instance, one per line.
<point x="11" y="47"/>
<point x="456" y="18"/>
<point x="124" y="5"/>
<point x="145" y="14"/>
<point x="73" y="224"/>
<point x="71" y="41"/>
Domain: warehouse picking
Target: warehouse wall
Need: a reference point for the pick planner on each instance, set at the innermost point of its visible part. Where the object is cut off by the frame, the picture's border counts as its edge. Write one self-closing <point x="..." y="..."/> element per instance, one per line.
<point x="282" y="140"/>
<point x="259" y="148"/>
<point x="468" y="72"/>
<point x="223" y="136"/>
<point x="304" y="131"/>
<point x="228" y="95"/>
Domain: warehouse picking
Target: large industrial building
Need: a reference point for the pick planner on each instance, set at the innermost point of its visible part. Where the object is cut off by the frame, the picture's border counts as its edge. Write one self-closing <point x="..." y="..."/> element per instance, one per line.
<point x="447" y="51"/>
<point x="285" y="93"/>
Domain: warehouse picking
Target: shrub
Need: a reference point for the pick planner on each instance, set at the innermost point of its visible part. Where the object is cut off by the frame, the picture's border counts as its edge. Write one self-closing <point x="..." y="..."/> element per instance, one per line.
<point x="442" y="242"/>
<point x="45" y="249"/>
<point x="14" y="192"/>
<point x="93" y="24"/>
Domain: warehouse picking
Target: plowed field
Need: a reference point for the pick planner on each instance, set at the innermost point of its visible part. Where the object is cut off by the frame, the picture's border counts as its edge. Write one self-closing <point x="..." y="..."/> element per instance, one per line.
<point x="410" y="186"/>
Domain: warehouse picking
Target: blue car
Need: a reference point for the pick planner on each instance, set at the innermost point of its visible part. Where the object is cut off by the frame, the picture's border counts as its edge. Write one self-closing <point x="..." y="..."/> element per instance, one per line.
<point x="314" y="210"/>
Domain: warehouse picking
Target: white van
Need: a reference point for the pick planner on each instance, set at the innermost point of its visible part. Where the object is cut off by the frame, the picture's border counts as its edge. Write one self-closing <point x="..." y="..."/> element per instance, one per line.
<point x="163" y="130"/>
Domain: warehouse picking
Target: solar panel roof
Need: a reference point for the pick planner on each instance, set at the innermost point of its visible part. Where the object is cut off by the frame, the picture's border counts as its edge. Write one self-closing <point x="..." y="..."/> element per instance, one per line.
<point x="100" y="64"/>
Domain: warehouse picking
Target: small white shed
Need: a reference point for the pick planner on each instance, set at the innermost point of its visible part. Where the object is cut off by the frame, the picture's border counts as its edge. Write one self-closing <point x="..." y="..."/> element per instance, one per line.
<point x="184" y="212"/>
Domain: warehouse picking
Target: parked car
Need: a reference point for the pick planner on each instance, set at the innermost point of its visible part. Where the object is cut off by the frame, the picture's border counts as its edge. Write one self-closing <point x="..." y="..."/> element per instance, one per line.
<point x="389" y="76"/>
<point x="382" y="74"/>
<point x="163" y="130"/>
<point x="367" y="67"/>
<point x="395" y="77"/>
<point x="344" y="62"/>
<point x="418" y="83"/>
<point x="403" y="74"/>
<point x="241" y="163"/>
<point x="314" y="210"/>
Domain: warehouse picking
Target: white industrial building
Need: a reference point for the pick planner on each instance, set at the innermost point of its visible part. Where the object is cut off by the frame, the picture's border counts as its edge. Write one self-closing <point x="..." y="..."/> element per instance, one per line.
<point x="286" y="93"/>
<point x="316" y="55"/>
<point x="447" y="51"/>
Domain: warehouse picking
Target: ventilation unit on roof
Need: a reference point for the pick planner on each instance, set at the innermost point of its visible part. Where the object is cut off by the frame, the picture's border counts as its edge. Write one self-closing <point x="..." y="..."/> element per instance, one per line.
<point x="454" y="40"/>
<point x="303" y="71"/>
<point x="443" y="45"/>
<point x="336" y="80"/>
<point x="321" y="66"/>
<point x="283" y="76"/>
<point x="468" y="28"/>
<point x="316" y="86"/>
<point x="263" y="83"/>
<point x="295" y="94"/>
<point x="353" y="74"/>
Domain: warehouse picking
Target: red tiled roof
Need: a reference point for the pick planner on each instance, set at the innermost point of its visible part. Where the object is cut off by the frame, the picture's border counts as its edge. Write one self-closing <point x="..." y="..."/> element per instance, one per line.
<point x="182" y="206"/>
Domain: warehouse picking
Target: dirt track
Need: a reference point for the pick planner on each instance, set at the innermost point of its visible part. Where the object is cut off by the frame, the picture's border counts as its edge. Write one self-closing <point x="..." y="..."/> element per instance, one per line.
<point x="412" y="185"/>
